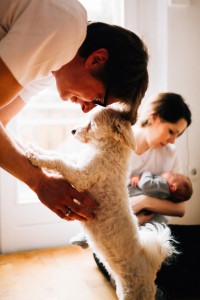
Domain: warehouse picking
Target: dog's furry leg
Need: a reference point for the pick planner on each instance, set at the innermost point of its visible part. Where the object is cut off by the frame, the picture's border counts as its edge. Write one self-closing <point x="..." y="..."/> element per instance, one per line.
<point x="42" y="160"/>
<point x="70" y="171"/>
<point x="33" y="148"/>
<point x="30" y="148"/>
<point x="36" y="149"/>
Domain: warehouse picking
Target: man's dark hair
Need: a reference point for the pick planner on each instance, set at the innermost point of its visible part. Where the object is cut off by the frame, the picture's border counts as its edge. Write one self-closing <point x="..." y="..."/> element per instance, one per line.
<point x="125" y="72"/>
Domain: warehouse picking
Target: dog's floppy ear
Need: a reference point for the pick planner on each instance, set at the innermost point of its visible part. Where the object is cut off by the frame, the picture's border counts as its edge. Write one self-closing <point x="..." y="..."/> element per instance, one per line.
<point x="124" y="133"/>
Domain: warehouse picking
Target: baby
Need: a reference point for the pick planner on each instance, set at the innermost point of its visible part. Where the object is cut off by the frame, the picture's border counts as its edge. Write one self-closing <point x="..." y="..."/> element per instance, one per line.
<point x="172" y="186"/>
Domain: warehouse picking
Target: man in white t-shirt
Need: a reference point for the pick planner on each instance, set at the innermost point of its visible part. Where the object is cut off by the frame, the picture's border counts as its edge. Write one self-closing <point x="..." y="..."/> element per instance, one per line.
<point x="92" y="64"/>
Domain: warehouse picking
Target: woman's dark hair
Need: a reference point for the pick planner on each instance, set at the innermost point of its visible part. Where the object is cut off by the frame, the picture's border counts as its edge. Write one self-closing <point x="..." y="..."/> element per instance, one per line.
<point x="170" y="107"/>
<point x="126" y="72"/>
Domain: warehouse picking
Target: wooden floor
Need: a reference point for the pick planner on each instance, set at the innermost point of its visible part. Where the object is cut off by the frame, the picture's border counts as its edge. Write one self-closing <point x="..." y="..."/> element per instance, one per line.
<point x="67" y="273"/>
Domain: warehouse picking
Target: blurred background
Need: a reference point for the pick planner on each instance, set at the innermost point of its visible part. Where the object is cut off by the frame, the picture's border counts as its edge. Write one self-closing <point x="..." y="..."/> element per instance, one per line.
<point x="171" y="31"/>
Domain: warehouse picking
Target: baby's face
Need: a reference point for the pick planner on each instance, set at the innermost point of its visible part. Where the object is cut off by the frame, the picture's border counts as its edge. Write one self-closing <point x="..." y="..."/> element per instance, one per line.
<point x="174" y="178"/>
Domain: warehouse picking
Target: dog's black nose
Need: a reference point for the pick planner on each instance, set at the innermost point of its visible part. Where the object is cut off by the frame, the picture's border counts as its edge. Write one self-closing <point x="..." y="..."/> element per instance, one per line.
<point x="73" y="131"/>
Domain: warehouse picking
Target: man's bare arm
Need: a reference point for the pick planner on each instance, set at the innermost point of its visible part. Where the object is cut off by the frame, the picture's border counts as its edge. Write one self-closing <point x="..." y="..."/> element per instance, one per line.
<point x="52" y="190"/>
<point x="9" y="86"/>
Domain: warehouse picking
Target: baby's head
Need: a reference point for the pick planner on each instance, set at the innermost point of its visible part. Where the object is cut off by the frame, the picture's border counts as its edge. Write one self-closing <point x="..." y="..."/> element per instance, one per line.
<point x="180" y="186"/>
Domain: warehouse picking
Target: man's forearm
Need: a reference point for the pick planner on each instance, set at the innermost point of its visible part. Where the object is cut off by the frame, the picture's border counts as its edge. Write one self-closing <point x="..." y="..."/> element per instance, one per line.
<point x="14" y="161"/>
<point x="52" y="190"/>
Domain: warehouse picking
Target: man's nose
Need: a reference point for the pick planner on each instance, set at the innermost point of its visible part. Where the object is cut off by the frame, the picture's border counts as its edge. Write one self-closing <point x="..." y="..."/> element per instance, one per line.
<point x="87" y="106"/>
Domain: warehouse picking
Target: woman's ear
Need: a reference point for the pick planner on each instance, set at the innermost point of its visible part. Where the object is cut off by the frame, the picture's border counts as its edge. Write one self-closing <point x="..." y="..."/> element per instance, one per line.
<point x="96" y="60"/>
<point x="153" y="117"/>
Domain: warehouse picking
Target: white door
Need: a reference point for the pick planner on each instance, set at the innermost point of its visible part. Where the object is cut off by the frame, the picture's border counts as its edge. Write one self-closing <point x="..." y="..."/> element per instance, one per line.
<point x="25" y="223"/>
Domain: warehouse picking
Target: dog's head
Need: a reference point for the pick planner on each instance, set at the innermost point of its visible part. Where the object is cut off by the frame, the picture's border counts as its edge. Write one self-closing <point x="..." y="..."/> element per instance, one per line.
<point x="106" y="126"/>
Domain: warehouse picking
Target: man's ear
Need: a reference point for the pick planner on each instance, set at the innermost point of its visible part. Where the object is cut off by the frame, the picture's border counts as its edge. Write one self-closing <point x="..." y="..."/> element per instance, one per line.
<point x="96" y="60"/>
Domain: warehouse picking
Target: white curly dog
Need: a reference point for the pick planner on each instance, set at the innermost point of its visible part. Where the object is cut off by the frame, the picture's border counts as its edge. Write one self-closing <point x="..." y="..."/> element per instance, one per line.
<point x="131" y="254"/>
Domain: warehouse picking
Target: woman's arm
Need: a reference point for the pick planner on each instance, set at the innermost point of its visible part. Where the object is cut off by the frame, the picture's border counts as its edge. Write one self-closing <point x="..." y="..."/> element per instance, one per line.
<point x="158" y="206"/>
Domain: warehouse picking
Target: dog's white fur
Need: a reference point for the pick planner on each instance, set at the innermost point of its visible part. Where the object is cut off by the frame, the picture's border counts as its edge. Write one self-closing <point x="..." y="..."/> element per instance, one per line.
<point x="131" y="254"/>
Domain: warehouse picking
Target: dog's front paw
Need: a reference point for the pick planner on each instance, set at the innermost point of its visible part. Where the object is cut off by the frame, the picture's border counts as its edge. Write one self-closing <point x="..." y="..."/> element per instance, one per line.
<point x="33" y="157"/>
<point x="34" y="148"/>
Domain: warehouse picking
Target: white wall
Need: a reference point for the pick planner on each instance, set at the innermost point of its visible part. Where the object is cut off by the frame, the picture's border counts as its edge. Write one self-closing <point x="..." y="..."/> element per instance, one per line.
<point x="171" y="30"/>
<point x="183" y="76"/>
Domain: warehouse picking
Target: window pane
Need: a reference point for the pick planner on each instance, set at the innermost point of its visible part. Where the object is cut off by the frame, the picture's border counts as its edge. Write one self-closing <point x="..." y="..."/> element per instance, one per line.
<point x="103" y="10"/>
<point x="46" y="120"/>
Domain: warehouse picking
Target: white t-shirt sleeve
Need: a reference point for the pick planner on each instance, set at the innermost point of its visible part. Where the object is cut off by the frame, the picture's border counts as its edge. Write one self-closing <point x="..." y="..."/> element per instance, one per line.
<point x="41" y="36"/>
<point x="35" y="87"/>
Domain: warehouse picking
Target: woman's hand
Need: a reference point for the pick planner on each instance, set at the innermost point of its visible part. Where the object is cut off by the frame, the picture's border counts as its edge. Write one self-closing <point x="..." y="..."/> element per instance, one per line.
<point x="144" y="217"/>
<point x="59" y="196"/>
<point x="138" y="203"/>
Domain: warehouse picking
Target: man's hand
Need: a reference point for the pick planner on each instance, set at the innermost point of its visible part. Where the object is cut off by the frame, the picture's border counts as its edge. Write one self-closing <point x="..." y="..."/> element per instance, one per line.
<point x="59" y="196"/>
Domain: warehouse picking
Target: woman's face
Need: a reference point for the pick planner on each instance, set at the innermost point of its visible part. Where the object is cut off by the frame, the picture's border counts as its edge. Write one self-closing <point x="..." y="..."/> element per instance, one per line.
<point x="159" y="133"/>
